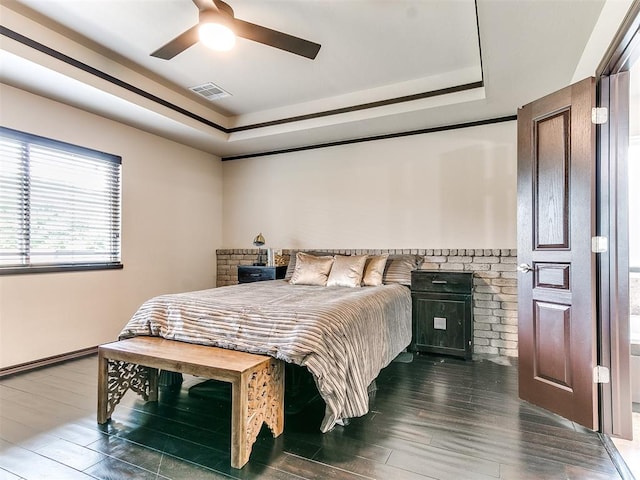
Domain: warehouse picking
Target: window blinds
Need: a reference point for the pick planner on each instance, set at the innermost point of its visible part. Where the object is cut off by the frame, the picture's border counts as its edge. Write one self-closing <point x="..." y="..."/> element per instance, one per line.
<point x="59" y="203"/>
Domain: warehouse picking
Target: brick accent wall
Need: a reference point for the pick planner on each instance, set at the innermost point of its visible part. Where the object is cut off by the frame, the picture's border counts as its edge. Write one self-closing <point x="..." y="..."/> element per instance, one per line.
<point x="495" y="301"/>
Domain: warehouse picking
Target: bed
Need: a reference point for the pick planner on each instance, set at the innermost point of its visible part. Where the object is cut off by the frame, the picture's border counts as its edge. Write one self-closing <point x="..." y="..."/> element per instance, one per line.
<point x="343" y="336"/>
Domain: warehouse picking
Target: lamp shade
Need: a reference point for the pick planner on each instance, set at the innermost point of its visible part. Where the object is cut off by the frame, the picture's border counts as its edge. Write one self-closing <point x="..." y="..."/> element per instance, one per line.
<point x="259" y="240"/>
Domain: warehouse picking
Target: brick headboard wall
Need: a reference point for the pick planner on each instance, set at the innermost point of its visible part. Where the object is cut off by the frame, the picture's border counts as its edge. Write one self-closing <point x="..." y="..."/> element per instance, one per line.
<point x="495" y="321"/>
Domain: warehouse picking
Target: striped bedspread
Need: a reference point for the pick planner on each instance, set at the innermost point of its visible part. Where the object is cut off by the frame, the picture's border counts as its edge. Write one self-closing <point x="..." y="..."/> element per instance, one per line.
<point x="344" y="336"/>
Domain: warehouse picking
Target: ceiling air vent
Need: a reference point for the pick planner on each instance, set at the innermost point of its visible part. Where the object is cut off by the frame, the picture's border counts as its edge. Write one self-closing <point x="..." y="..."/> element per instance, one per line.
<point x="210" y="91"/>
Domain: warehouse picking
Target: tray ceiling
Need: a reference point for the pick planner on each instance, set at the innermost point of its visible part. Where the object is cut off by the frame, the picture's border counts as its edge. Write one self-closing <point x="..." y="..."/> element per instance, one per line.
<point x="379" y="63"/>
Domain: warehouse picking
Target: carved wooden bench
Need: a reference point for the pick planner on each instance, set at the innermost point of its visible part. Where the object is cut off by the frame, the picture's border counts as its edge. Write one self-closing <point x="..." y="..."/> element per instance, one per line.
<point x="257" y="382"/>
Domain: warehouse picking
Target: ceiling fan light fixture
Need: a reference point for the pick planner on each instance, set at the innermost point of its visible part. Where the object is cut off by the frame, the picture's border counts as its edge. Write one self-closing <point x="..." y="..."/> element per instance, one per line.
<point x="217" y="28"/>
<point x="216" y="36"/>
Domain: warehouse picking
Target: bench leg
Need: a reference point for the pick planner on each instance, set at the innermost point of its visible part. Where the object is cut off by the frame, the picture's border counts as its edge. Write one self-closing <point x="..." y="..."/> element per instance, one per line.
<point x="257" y="398"/>
<point x="239" y="411"/>
<point x="274" y="417"/>
<point x="115" y="378"/>
<point x="103" y="379"/>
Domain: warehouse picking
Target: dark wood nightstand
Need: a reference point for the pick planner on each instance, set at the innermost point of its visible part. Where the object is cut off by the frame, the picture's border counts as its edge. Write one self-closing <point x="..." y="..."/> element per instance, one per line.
<point x="255" y="273"/>
<point x="442" y="312"/>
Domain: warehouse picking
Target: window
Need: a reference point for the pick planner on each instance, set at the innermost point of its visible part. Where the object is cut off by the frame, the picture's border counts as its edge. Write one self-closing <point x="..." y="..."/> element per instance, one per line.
<point x="59" y="205"/>
<point x="634" y="204"/>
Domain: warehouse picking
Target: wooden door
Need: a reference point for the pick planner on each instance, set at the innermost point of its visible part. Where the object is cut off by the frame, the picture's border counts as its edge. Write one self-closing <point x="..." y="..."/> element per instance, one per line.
<point x="556" y="284"/>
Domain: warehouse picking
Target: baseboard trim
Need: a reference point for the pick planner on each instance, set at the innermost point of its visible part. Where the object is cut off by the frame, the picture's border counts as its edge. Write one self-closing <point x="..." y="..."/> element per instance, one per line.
<point x="616" y="458"/>
<point x="43" y="362"/>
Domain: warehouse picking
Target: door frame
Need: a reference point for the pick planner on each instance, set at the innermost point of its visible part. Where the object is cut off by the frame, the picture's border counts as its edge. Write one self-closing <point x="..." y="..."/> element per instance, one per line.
<point x="613" y="265"/>
<point x="612" y="222"/>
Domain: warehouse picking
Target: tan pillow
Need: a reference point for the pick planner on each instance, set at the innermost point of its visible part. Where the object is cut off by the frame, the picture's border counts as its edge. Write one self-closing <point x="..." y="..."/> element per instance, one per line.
<point x="399" y="267"/>
<point x="292" y="261"/>
<point x="374" y="269"/>
<point x="311" y="270"/>
<point x="347" y="271"/>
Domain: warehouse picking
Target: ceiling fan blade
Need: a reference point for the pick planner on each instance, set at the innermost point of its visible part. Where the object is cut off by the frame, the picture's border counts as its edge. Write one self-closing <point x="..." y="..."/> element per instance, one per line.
<point x="276" y="39"/>
<point x="178" y="44"/>
<point x="205" y="5"/>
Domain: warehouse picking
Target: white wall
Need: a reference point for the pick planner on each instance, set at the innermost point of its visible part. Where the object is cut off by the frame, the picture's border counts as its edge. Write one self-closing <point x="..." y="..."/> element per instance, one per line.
<point x="453" y="189"/>
<point x="171" y="218"/>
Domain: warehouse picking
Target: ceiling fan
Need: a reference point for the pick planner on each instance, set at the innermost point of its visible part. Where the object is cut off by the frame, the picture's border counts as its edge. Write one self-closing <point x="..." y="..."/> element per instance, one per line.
<point x="216" y="23"/>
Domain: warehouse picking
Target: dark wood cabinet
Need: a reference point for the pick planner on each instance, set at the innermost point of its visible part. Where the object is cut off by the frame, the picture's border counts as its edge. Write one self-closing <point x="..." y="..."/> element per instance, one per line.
<point x="254" y="273"/>
<point x="442" y="312"/>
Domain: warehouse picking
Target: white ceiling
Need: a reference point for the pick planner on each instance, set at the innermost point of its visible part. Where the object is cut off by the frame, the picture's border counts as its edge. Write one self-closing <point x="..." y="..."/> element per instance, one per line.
<point x="371" y="51"/>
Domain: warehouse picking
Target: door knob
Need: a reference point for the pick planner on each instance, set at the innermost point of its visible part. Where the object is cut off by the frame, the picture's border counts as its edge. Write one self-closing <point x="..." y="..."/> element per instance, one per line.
<point x="524" y="268"/>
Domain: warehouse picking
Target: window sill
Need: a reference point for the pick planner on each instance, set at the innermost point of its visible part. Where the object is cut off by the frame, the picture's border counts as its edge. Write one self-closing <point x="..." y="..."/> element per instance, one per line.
<point x="60" y="268"/>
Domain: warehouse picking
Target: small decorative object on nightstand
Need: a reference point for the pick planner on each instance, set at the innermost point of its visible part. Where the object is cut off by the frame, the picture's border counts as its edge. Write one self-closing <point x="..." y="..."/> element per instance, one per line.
<point x="442" y="312"/>
<point x="256" y="273"/>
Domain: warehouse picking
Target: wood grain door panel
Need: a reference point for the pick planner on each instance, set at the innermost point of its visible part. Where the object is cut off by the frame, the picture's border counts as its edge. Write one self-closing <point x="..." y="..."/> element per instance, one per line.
<point x="551" y="275"/>
<point x="552" y="344"/>
<point x="551" y="175"/>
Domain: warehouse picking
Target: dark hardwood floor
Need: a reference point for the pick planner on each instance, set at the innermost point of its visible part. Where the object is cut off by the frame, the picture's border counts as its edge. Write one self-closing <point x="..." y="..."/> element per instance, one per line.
<point x="432" y="418"/>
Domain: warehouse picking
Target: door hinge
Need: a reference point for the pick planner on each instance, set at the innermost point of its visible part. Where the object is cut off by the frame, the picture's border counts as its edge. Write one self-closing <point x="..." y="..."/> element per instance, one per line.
<point x="599" y="115"/>
<point x="599" y="244"/>
<point x="601" y="374"/>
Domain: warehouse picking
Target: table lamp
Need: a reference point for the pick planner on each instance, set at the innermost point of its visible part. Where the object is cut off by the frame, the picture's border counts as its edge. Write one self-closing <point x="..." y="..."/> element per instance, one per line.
<point x="258" y="242"/>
